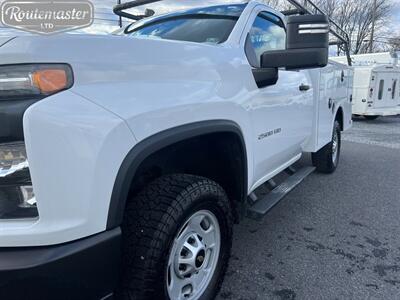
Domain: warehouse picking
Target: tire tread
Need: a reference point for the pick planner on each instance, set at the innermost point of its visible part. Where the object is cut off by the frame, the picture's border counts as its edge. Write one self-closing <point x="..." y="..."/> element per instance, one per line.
<point x="151" y="220"/>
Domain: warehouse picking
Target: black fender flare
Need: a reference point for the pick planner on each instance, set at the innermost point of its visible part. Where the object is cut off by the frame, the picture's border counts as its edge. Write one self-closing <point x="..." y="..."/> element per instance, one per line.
<point x="339" y="116"/>
<point x="155" y="143"/>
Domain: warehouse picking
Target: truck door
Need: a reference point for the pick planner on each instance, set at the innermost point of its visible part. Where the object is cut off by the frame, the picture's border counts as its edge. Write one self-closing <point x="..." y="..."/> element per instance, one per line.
<point x="281" y="113"/>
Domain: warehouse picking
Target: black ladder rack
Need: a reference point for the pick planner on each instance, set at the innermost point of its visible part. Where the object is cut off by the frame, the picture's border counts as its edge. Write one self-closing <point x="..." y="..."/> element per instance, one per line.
<point x="303" y="7"/>
<point x="119" y="9"/>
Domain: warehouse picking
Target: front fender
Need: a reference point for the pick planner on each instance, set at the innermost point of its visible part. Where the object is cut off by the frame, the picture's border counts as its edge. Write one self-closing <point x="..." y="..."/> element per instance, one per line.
<point x="74" y="151"/>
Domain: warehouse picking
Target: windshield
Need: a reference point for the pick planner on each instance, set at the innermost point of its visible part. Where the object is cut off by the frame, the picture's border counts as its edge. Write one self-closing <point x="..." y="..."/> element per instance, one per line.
<point x="206" y="25"/>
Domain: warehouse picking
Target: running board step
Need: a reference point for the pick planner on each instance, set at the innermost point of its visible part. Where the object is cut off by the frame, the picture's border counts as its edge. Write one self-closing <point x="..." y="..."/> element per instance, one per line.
<point x="263" y="205"/>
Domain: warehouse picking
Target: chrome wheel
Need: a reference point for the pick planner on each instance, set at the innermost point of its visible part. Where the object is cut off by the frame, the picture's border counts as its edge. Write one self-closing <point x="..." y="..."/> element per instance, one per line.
<point x="335" y="146"/>
<point x="194" y="256"/>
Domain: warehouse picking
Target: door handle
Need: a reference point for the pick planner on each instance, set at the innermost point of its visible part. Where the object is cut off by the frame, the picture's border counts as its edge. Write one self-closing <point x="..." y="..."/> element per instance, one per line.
<point x="304" y="87"/>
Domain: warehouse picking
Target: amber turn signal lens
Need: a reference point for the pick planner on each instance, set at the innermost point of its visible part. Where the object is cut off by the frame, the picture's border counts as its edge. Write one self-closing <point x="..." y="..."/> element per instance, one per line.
<point x="34" y="81"/>
<point x="50" y="80"/>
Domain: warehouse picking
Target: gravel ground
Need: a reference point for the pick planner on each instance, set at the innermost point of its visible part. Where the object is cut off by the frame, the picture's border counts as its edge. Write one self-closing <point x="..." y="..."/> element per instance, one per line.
<point x="335" y="236"/>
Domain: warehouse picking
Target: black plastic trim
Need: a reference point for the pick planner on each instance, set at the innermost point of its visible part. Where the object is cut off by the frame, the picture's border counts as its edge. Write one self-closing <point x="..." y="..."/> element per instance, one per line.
<point x="11" y="119"/>
<point x="84" y="269"/>
<point x="295" y="59"/>
<point x="265" y="76"/>
<point x="157" y="142"/>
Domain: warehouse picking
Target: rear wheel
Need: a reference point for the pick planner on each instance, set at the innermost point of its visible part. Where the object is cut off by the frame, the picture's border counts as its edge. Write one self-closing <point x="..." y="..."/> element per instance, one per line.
<point x="371" y="118"/>
<point x="326" y="159"/>
<point x="177" y="236"/>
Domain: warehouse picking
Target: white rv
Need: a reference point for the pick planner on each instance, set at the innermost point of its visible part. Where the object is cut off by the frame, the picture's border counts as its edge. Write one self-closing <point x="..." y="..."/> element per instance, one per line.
<point x="376" y="88"/>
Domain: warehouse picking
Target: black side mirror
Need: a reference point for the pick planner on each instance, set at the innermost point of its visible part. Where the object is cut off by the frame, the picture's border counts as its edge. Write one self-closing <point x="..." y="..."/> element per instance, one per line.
<point x="307" y="44"/>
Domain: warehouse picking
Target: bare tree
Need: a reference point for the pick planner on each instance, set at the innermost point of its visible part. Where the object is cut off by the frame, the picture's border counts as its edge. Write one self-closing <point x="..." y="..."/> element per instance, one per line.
<point x="279" y="4"/>
<point x="356" y="18"/>
<point x="391" y="43"/>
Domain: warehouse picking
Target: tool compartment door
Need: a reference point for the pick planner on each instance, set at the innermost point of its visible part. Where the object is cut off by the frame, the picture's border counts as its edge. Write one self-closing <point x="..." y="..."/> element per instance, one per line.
<point x="334" y="92"/>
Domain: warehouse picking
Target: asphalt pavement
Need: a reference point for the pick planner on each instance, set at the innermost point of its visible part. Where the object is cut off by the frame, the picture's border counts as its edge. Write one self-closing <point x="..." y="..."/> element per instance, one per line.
<point x="333" y="237"/>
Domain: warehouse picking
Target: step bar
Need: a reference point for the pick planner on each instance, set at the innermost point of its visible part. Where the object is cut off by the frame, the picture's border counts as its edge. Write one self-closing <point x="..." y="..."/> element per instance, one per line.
<point x="259" y="207"/>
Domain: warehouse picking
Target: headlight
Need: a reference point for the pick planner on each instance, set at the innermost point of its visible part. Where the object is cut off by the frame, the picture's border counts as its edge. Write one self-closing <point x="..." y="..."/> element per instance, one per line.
<point x="17" y="199"/>
<point x="34" y="80"/>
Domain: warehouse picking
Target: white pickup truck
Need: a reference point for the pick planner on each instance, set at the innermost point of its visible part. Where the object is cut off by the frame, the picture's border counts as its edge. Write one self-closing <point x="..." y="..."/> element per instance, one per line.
<point x="126" y="159"/>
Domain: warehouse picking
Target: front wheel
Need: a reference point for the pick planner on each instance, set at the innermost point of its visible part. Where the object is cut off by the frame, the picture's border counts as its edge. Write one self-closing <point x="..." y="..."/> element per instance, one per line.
<point x="326" y="159"/>
<point x="177" y="236"/>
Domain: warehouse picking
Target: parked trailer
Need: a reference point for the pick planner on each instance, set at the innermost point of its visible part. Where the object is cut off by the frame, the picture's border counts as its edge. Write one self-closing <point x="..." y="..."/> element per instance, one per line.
<point x="376" y="90"/>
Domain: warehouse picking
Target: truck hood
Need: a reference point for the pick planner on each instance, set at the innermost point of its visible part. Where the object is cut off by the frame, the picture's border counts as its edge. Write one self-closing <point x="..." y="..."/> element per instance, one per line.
<point x="133" y="70"/>
<point x="110" y="58"/>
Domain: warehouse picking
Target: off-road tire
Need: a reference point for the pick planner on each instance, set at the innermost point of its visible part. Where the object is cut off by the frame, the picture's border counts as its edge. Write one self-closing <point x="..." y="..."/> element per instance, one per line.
<point x="324" y="160"/>
<point x="151" y="222"/>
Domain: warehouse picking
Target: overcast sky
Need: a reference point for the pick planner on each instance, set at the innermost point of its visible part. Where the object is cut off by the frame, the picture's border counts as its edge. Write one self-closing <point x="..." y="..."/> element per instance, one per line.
<point x="106" y="21"/>
<point x="397" y="15"/>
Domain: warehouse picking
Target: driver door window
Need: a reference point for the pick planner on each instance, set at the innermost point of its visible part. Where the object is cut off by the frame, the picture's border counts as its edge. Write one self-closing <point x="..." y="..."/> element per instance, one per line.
<point x="267" y="33"/>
